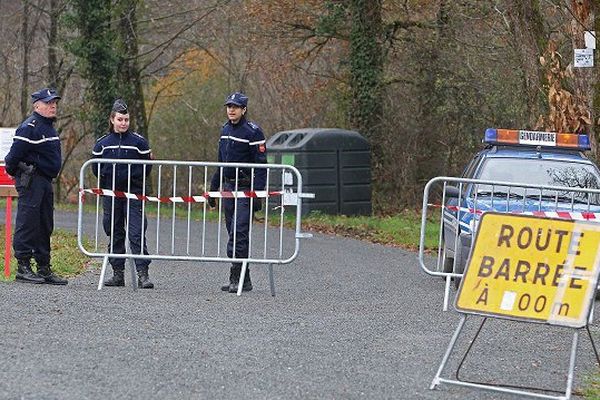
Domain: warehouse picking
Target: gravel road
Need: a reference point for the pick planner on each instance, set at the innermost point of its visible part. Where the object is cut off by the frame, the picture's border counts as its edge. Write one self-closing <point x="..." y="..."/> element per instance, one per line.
<point x="351" y="320"/>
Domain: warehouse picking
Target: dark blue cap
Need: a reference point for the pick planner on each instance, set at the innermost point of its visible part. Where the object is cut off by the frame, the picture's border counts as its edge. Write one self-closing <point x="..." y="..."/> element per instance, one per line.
<point x="237" y="98"/>
<point x="46" y="95"/>
<point x="120" y="106"/>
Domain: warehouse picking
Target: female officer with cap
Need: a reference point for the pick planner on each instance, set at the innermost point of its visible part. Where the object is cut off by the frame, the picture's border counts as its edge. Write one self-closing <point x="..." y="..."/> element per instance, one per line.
<point x="35" y="159"/>
<point x="241" y="141"/>
<point x="122" y="143"/>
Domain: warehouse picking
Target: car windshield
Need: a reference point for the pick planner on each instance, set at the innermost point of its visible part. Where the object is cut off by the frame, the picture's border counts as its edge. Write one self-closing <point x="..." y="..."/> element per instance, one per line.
<point x="540" y="172"/>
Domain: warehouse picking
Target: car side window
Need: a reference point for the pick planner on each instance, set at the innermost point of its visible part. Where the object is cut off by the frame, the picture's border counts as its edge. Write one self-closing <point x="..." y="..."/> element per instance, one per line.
<point x="470" y="170"/>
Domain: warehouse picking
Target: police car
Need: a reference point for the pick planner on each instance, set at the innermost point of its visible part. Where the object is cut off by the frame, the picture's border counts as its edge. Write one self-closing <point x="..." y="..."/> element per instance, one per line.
<point x="532" y="165"/>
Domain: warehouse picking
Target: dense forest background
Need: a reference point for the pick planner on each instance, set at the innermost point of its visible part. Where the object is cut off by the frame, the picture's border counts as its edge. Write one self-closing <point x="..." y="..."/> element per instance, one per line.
<point x="421" y="79"/>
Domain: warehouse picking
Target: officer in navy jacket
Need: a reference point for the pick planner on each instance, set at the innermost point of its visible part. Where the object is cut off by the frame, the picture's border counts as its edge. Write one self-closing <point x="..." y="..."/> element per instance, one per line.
<point x="34" y="160"/>
<point x="121" y="143"/>
<point x="241" y="141"/>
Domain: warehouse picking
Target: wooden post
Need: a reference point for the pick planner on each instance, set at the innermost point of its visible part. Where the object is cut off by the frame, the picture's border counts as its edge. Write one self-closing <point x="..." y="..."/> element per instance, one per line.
<point x="9" y="192"/>
<point x="7" y="189"/>
<point x="8" y="236"/>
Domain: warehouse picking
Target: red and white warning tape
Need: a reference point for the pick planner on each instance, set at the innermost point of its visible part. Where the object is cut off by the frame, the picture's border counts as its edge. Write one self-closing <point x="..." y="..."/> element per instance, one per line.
<point x="574" y="215"/>
<point x="260" y="194"/>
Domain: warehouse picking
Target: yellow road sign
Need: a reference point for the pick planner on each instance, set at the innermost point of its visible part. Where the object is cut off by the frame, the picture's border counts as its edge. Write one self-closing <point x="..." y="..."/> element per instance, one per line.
<point x="531" y="268"/>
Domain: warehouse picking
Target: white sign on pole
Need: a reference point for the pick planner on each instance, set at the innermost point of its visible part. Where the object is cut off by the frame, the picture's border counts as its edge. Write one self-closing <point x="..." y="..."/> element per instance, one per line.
<point x="6" y="140"/>
<point x="584" y="58"/>
<point x="589" y="38"/>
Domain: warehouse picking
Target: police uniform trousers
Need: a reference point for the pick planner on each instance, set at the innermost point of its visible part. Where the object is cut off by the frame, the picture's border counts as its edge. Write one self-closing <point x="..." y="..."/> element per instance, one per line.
<point x="238" y="224"/>
<point x="35" y="220"/>
<point x="116" y="226"/>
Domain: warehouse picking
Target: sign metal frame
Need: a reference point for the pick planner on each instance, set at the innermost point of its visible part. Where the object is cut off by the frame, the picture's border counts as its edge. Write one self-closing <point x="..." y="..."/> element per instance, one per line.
<point x="586" y="314"/>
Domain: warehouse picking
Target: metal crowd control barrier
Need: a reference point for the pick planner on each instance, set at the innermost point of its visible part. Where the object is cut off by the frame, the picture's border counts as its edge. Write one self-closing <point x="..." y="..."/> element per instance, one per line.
<point x="461" y="202"/>
<point x="185" y="232"/>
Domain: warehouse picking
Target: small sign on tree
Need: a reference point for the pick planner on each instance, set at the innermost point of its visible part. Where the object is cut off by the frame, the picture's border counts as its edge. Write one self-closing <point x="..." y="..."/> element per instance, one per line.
<point x="584" y="58"/>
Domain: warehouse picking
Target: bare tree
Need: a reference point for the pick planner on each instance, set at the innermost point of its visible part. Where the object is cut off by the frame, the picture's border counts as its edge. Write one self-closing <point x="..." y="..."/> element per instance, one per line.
<point x="129" y="69"/>
<point x="529" y="36"/>
<point x="26" y="39"/>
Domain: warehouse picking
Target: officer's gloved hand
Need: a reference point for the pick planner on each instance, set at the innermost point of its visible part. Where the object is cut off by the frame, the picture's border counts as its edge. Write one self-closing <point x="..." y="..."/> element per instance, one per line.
<point x="257" y="205"/>
<point x="11" y="170"/>
<point x="212" y="202"/>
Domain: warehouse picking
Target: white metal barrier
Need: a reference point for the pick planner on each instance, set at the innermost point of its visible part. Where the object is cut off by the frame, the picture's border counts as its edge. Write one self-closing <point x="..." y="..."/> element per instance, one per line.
<point x="460" y="202"/>
<point x="185" y="232"/>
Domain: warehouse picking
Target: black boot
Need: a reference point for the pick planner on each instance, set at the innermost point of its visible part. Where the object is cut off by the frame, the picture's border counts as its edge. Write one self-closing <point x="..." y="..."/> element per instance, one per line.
<point x="49" y="277"/>
<point x="118" y="279"/>
<point x="233" y="283"/>
<point x="234" y="276"/>
<point x="144" y="281"/>
<point x="246" y="287"/>
<point x="25" y="274"/>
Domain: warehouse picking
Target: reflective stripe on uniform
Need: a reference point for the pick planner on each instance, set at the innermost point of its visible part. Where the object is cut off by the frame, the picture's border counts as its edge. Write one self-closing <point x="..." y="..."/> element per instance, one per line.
<point x="43" y="140"/>
<point x="99" y="153"/>
<point x="235" y="139"/>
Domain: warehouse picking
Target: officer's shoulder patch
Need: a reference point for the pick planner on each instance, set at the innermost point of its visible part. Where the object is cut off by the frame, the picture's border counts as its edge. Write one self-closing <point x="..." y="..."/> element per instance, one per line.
<point x="253" y="125"/>
<point x="138" y="135"/>
<point x="32" y="122"/>
<point x="101" y="137"/>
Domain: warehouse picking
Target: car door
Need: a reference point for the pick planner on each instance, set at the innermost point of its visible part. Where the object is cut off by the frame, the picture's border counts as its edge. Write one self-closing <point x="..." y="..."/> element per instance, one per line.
<point x="455" y="206"/>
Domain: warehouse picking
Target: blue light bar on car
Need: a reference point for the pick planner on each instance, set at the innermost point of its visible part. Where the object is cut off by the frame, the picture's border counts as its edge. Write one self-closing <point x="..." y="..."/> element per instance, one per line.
<point x="537" y="138"/>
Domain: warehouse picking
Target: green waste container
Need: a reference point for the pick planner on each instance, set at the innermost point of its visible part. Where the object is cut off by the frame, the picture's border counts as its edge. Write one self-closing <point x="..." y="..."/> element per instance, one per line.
<point x="335" y="165"/>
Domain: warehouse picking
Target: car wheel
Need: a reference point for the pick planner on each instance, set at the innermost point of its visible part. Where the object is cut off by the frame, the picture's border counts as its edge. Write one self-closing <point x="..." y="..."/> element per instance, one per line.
<point x="447" y="260"/>
<point x="460" y="265"/>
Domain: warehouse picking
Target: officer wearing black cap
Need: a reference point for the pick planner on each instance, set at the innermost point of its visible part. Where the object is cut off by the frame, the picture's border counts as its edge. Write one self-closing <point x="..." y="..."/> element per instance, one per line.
<point x="34" y="160"/>
<point x="241" y="141"/>
<point x="122" y="143"/>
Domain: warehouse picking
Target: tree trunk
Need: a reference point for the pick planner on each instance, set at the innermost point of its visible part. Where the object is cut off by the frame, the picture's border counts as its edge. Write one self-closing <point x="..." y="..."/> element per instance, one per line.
<point x="595" y="114"/>
<point x="26" y="45"/>
<point x="52" y="45"/>
<point x="435" y="93"/>
<point x="94" y="48"/>
<point x="53" y="73"/>
<point x="584" y="79"/>
<point x="529" y="39"/>
<point x="366" y="69"/>
<point x="129" y="68"/>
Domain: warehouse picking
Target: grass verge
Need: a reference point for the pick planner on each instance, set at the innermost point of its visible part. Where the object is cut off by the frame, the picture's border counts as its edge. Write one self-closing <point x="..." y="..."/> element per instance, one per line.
<point x="591" y="390"/>
<point x="401" y="230"/>
<point x="67" y="259"/>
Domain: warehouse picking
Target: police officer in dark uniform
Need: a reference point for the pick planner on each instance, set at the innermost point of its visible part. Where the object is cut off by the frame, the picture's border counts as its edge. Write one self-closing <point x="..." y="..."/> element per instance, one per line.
<point x="241" y="141"/>
<point x="34" y="160"/>
<point x="122" y="143"/>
